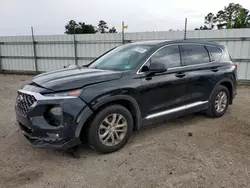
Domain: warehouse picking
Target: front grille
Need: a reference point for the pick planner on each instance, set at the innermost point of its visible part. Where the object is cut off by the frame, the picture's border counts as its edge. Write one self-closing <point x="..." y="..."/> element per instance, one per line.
<point x="24" y="102"/>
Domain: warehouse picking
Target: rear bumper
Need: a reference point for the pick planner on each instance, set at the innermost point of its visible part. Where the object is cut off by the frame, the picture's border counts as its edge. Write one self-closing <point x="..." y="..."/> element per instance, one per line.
<point x="40" y="133"/>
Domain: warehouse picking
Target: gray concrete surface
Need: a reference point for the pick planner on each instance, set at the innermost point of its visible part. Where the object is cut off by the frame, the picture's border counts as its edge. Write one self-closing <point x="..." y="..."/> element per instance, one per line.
<point x="216" y="155"/>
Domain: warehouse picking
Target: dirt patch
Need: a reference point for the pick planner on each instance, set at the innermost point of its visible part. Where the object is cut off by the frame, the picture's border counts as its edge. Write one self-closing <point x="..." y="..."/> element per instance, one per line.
<point x="20" y="178"/>
<point x="191" y="151"/>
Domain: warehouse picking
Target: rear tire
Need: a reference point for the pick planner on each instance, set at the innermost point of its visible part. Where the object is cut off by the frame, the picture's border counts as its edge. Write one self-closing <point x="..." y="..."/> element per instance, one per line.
<point x="218" y="102"/>
<point x="110" y="129"/>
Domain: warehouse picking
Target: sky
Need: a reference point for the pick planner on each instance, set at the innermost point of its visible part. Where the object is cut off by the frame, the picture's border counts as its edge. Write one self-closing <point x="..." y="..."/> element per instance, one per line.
<point x="48" y="17"/>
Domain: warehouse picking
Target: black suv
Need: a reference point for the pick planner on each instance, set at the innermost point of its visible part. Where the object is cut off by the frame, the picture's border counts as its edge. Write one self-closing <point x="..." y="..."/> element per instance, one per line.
<point x="126" y="88"/>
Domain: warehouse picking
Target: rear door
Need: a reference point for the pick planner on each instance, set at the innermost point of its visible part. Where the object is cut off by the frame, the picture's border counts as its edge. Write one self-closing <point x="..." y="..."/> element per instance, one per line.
<point x="163" y="95"/>
<point x="200" y="70"/>
<point x="218" y="65"/>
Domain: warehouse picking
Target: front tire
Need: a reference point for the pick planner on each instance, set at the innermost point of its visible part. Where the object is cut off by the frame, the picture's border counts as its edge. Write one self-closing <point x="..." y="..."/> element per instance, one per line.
<point x="110" y="129"/>
<point x="218" y="102"/>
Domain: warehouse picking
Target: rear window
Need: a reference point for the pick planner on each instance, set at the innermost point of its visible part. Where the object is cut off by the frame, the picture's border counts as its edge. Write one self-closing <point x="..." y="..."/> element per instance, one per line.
<point x="215" y="53"/>
<point x="195" y="54"/>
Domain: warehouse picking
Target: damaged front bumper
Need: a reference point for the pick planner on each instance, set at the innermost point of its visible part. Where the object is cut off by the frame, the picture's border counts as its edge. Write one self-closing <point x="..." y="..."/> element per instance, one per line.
<point x="34" y="125"/>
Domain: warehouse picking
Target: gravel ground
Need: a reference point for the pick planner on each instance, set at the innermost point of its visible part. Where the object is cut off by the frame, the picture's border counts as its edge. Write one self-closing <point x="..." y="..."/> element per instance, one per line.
<point x="216" y="155"/>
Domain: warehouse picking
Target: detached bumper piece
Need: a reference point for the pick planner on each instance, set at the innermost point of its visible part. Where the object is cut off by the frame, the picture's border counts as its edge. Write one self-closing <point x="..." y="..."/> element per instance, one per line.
<point x="47" y="140"/>
<point x="32" y="119"/>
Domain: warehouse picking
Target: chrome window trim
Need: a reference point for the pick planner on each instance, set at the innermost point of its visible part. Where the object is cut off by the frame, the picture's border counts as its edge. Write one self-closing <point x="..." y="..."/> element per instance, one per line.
<point x="177" y="109"/>
<point x="174" y="68"/>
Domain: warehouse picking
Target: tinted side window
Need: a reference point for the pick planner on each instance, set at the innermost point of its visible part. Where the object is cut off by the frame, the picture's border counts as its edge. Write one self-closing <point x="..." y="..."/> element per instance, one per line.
<point x="195" y="54"/>
<point x="169" y="55"/>
<point x="215" y="53"/>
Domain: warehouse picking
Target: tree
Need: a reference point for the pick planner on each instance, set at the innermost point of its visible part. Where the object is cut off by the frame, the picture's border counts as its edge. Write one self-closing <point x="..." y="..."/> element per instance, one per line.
<point x="102" y="26"/>
<point x="210" y="20"/>
<point x="81" y="28"/>
<point x="78" y="28"/>
<point x="242" y="19"/>
<point x="112" y="30"/>
<point x="202" y="28"/>
<point x="86" y="28"/>
<point x="221" y="19"/>
<point x="232" y="16"/>
<point x="227" y="16"/>
<point x="69" y="27"/>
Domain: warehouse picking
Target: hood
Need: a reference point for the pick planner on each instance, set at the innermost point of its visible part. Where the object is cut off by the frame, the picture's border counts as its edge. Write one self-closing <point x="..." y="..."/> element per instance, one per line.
<point x="72" y="78"/>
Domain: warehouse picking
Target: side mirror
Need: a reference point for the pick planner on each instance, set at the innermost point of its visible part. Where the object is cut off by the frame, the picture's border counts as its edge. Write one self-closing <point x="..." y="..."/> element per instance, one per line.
<point x="157" y="67"/>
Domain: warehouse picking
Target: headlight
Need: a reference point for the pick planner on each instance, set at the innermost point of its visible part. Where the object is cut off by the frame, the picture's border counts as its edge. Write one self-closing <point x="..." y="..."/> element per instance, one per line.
<point x="76" y="92"/>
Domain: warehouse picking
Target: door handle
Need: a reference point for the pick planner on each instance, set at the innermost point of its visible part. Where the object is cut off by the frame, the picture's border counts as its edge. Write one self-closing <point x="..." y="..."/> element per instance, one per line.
<point x="180" y="75"/>
<point x="214" y="69"/>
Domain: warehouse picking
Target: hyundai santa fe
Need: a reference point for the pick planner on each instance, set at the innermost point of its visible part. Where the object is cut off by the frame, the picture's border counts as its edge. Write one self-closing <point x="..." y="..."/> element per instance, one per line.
<point x="125" y="89"/>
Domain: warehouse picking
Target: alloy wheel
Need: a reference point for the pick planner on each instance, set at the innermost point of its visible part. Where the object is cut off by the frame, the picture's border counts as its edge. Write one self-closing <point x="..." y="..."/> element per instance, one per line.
<point x="221" y="102"/>
<point x="113" y="129"/>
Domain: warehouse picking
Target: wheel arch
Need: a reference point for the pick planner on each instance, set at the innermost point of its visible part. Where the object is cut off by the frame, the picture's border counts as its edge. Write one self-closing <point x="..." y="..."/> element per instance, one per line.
<point x="228" y="83"/>
<point x="127" y="101"/>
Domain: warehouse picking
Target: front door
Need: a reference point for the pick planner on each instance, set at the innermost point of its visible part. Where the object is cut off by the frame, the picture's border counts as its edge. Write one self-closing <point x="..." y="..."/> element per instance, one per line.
<point x="163" y="95"/>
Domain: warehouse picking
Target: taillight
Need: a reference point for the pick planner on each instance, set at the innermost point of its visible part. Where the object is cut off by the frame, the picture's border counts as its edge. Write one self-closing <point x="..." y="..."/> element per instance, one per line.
<point x="236" y="66"/>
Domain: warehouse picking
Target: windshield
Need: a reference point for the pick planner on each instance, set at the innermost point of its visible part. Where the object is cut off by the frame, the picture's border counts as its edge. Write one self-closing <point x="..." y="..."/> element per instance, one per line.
<point x="121" y="58"/>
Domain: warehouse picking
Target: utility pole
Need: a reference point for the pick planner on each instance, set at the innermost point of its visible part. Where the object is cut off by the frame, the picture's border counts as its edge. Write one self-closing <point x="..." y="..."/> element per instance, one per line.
<point x="185" y="31"/>
<point x="75" y="47"/>
<point x="34" y="50"/>
<point x="123" y="33"/>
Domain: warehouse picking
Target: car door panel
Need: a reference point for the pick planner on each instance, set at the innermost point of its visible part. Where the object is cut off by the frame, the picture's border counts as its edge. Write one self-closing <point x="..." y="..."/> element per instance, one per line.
<point x="201" y="81"/>
<point x="200" y="72"/>
<point x="162" y="93"/>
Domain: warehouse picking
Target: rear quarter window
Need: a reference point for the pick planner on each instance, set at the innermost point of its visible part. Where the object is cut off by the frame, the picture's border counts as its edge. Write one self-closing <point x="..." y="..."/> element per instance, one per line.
<point x="215" y="53"/>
